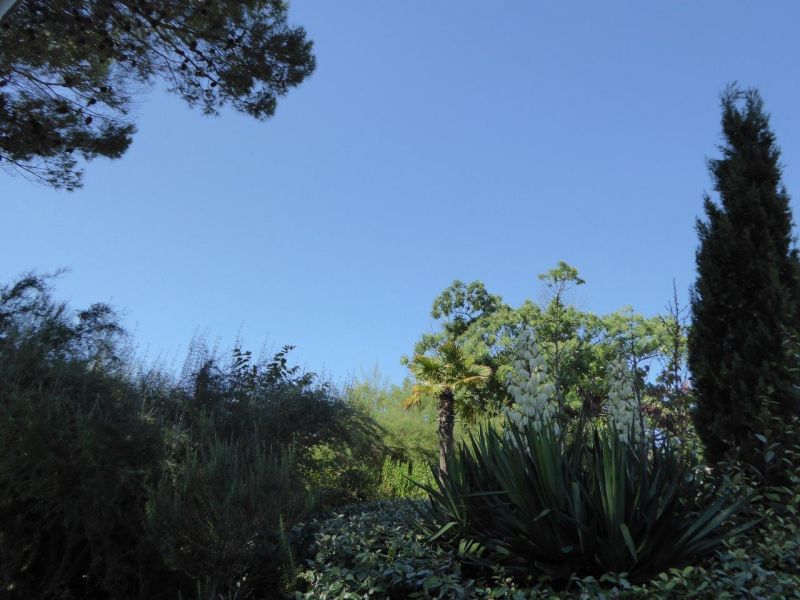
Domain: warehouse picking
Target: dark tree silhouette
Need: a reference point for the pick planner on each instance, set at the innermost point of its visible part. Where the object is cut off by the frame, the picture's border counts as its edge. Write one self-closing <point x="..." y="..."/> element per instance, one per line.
<point x="745" y="301"/>
<point x="69" y="68"/>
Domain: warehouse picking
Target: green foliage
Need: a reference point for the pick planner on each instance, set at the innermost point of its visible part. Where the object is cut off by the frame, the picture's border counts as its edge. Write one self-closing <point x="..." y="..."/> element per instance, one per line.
<point x="336" y="445"/>
<point x="671" y="410"/>
<point x="547" y="506"/>
<point x="409" y="435"/>
<point x="217" y="517"/>
<point x="373" y="551"/>
<point x="462" y="305"/>
<point x="745" y="300"/>
<point x="68" y="71"/>
<point x="404" y="479"/>
<point x="442" y="375"/>
<point x="77" y="453"/>
<point x="577" y="345"/>
<point x="118" y="484"/>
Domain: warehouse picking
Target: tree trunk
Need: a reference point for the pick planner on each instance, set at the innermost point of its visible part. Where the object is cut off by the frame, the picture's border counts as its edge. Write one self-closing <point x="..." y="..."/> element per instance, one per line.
<point x="446" y="422"/>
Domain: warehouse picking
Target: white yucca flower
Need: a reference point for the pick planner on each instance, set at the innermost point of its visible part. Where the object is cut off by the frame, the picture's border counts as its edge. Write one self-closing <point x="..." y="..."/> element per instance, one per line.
<point x="529" y="385"/>
<point x="622" y="406"/>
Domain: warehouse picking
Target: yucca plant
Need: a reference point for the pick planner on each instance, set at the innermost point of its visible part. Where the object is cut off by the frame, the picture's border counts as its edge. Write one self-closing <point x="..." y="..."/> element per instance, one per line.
<point x="539" y="503"/>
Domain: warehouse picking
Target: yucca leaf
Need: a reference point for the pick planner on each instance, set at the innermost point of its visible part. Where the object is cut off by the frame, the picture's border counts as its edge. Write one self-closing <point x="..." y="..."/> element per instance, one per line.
<point x="626" y="535"/>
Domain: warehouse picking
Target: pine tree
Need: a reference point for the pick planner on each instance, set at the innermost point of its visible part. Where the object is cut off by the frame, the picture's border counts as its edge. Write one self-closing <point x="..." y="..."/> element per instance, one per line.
<point x="70" y="69"/>
<point x="745" y="301"/>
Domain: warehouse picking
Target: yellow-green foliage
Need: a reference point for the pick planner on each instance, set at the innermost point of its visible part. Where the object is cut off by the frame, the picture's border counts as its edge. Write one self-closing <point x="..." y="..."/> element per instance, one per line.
<point x="410" y="435"/>
<point x="399" y="479"/>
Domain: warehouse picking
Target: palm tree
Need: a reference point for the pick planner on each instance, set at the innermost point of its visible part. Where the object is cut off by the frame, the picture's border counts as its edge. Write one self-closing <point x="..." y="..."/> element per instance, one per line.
<point x="441" y="376"/>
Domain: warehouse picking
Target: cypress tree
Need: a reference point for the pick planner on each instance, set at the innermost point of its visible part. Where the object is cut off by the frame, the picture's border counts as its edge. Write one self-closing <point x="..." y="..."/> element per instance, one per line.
<point x="745" y="300"/>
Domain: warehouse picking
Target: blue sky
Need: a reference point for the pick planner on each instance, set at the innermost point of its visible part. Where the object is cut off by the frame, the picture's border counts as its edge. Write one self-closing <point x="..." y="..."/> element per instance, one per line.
<point x="436" y="141"/>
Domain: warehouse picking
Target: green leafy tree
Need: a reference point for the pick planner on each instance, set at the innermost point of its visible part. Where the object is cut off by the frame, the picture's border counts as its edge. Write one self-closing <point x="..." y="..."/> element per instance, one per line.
<point x="481" y="323"/>
<point x="577" y="345"/>
<point x="441" y="376"/>
<point x="470" y="315"/>
<point x="745" y="301"/>
<point x="69" y="69"/>
<point x="562" y="329"/>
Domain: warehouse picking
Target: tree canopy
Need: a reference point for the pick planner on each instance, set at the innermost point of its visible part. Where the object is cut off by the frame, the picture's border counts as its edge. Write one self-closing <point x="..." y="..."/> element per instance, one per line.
<point x="576" y="345"/>
<point x="70" y="68"/>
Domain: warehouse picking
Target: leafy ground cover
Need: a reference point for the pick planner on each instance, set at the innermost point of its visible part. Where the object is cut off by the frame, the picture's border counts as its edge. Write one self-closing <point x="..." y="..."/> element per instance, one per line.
<point x="374" y="551"/>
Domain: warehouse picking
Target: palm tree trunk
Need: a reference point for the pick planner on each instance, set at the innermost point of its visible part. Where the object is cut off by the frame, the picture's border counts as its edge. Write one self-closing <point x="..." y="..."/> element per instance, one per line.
<point x="446" y="421"/>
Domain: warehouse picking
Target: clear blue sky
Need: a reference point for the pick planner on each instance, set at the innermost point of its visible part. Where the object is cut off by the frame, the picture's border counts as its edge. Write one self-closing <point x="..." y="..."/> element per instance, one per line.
<point x="437" y="140"/>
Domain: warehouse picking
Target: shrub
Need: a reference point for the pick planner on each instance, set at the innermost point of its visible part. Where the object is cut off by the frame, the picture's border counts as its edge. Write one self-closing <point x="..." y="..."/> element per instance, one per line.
<point x="116" y="483"/>
<point x="76" y="456"/>
<point x="401" y="479"/>
<point x="408" y="435"/>
<point x="254" y="447"/>
<point x="219" y="518"/>
<point x="372" y="551"/>
<point x="540" y="504"/>
<point x="337" y="446"/>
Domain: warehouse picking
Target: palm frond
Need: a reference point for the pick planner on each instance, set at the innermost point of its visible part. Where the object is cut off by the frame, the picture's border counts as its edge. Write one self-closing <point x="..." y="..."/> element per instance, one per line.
<point x="449" y="367"/>
<point x="419" y="392"/>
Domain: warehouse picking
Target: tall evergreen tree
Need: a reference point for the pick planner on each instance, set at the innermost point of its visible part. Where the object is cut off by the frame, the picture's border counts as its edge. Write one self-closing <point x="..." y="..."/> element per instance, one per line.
<point x="745" y="301"/>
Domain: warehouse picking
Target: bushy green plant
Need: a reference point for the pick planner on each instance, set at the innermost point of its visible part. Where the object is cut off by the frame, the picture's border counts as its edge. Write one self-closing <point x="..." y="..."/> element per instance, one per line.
<point x="337" y="445"/>
<point x="543" y="504"/>
<point x="372" y="551"/>
<point x="117" y="483"/>
<point x="255" y="445"/>
<point x="218" y="518"/>
<point x="77" y="453"/>
<point x="401" y="479"/>
<point x="408" y="435"/>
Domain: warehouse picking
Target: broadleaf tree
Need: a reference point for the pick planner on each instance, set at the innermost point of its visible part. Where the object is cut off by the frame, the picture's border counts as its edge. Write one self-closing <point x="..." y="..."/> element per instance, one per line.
<point x="577" y="345"/>
<point x="69" y="70"/>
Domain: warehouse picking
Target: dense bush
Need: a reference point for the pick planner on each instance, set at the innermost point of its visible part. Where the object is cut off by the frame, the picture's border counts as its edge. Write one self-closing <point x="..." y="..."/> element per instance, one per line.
<point x="336" y="445"/>
<point x="76" y="455"/>
<point x="120" y="483"/>
<point x="402" y="479"/>
<point x="409" y="437"/>
<point x="220" y="518"/>
<point x="544" y="504"/>
<point x="374" y="551"/>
